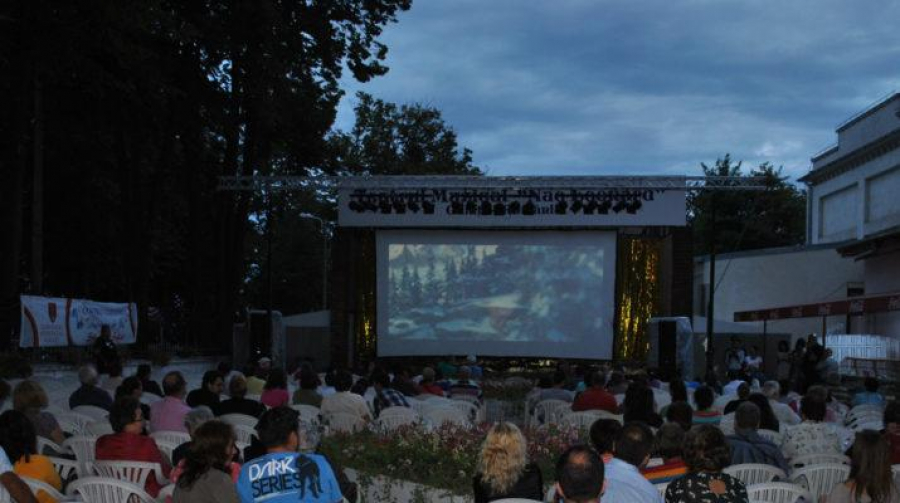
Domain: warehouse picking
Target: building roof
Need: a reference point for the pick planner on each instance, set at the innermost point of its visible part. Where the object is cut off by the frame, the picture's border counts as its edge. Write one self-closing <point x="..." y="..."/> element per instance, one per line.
<point x="886" y="241"/>
<point x="760" y="252"/>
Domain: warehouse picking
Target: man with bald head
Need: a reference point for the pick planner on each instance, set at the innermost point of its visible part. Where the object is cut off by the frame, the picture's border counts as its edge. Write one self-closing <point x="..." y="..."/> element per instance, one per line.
<point x="579" y="475"/>
<point x="168" y="414"/>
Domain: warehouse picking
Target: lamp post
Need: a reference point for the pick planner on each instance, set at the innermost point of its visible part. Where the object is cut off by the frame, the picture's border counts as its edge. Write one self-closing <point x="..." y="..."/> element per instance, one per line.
<point x="324" y="256"/>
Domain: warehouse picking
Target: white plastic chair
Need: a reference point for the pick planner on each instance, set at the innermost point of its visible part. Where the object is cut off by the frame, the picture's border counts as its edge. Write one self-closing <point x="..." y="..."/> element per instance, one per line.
<point x="470" y="409"/>
<point x="166" y="448"/>
<point x="44" y="443"/>
<point x="547" y="411"/>
<point x="239" y="420"/>
<point x="771" y="435"/>
<point x="106" y="490"/>
<point x="466" y="398"/>
<point x="777" y="492"/>
<point x="243" y="435"/>
<point x="820" y="479"/>
<point x="308" y="413"/>
<point x="175" y="437"/>
<point x="394" y="421"/>
<point x="149" y="398"/>
<point x="344" y="423"/>
<point x="819" y="459"/>
<point x="73" y="423"/>
<point x="135" y="472"/>
<point x="165" y="492"/>
<point x="98" y="428"/>
<point x="66" y="467"/>
<point x="876" y="425"/>
<point x="755" y="473"/>
<point x="85" y="453"/>
<point x="398" y="410"/>
<point x="39" y="485"/>
<point x="92" y="411"/>
<point x="439" y="416"/>
<point x="581" y="420"/>
<point x="865" y="416"/>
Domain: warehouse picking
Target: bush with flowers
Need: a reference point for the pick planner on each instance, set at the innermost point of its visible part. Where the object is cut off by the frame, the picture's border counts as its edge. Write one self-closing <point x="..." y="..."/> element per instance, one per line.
<point x="443" y="458"/>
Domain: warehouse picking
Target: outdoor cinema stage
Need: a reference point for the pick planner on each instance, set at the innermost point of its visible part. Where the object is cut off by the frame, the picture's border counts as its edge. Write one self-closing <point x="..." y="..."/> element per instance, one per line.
<point x="548" y="267"/>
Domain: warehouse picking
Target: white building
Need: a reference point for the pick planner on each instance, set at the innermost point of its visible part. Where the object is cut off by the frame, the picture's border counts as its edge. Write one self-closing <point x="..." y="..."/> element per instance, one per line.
<point x="852" y="249"/>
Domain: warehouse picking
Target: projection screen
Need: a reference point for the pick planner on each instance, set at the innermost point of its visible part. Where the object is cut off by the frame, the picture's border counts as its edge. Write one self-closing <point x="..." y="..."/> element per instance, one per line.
<point x="496" y="293"/>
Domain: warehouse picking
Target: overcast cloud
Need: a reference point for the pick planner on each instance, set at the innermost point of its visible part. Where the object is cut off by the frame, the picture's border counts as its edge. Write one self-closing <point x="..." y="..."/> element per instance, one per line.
<point x="637" y="87"/>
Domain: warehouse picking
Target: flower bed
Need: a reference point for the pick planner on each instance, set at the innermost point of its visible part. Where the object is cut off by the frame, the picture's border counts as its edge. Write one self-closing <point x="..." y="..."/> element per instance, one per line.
<point x="443" y="459"/>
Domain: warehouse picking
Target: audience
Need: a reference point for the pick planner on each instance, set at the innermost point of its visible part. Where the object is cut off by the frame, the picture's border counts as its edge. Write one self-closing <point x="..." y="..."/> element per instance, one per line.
<point x="705" y="413"/>
<point x="625" y="483"/>
<point x="128" y="444"/>
<point x="307" y="394"/>
<point x="680" y="413"/>
<point x="18" y="439"/>
<point x="747" y="446"/>
<point x="192" y="420"/>
<point x="208" y="473"/>
<point x="17" y="489"/>
<point x="403" y="383"/>
<point x="344" y="401"/>
<point x="209" y="392"/>
<point x="677" y="392"/>
<point x="30" y="399"/>
<point x="767" y="419"/>
<point x="891" y="419"/>
<point x="275" y="393"/>
<point x="257" y="380"/>
<point x="870" y="395"/>
<point x="812" y="436"/>
<point x="463" y="386"/>
<point x="385" y="396"/>
<point x="238" y="404"/>
<point x="503" y="469"/>
<point x="428" y="385"/>
<point x="168" y="414"/>
<point x="783" y="413"/>
<point x="669" y="443"/>
<point x="706" y="454"/>
<point x="131" y="386"/>
<point x="603" y="437"/>
<point x="871" y="479"/>
<point x="639" y="405"/>
<point x="579" y="476"/>
<point x="283" y="473"/>
<point x="617" y="385"/>
<point x="147" y="383"/>
<point x="743" y="392"/>
<point x="89" y="393"/>
<point x="596" y="397"/>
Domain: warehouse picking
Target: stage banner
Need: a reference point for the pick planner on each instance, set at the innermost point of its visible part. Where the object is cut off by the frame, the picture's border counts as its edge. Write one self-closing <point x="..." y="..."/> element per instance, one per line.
<point x="54" y="321"/>
<point x="504" y="207"/>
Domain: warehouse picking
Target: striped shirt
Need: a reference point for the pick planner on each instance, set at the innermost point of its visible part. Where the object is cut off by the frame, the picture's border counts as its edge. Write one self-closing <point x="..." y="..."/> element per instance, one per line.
<point x="666" y="472"/>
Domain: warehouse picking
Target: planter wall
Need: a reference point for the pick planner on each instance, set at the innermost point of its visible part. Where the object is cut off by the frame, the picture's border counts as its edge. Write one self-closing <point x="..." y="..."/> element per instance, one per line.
<point x="378" y="489"/>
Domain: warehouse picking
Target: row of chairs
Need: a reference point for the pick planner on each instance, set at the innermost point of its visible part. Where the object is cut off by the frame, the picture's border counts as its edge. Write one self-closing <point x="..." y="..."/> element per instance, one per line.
<point x="552" y="411"/>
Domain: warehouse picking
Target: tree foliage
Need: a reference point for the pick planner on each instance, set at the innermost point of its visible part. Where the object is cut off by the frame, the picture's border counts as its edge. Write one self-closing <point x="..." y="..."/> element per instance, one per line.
<point x="747" y="220"/>
<point x="143" y="106"/>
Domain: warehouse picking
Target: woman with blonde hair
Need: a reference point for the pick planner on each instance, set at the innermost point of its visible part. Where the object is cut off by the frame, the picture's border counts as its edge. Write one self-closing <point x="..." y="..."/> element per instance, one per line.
<point x="30" y="399"/>
<point x="503" y="467"/>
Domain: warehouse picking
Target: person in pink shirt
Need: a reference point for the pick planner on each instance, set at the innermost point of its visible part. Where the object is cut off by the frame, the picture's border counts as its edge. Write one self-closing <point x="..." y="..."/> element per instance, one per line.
<point x="275" y="393"/>
<point x="168" y="414"/>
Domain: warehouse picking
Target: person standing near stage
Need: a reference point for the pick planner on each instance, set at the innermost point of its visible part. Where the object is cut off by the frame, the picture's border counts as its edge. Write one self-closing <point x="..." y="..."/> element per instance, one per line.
<point x="734" y="358"/>
<point x="105" y="354"/>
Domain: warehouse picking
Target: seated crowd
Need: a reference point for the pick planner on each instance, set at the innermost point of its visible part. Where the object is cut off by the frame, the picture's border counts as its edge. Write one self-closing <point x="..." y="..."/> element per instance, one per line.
<point x="637" y="452"/>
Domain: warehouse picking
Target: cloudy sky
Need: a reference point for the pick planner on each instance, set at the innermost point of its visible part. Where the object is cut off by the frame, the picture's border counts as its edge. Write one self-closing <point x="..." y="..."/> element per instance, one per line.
<point x="572" y="87"/>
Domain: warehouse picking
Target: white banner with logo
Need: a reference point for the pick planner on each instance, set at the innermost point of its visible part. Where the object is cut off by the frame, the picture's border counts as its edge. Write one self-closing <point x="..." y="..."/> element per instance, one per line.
<point x="503" y="207"/>
<point x="54" y="321"/>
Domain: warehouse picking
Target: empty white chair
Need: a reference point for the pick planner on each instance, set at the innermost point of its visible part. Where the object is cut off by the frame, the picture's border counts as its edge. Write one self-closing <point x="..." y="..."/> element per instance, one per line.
<point x="393" y="421"/>
<point x="106" y="490"/>
<point x="98" y="428"/>
<point x="308" y="413"/>
<point x="582" y="420"/>
<point x="239" y="419"/>
<point x="755" y="473"/>
<point x="66" y="468"/>
<point x="135" y="472"/>
<point x="547" y="411"/>
<point x="438" y="416"/>
<point x="344" y="423"/>
<point x="54" y="449"/>
<point x="175" y="437"/>
<point x="243" y="435"/>
<point x="39" y="485"/>
<point x="777" y="492"/>
<point x="470" y="409"/>
<point x="73" y="423"/>
<point x="820" y="479"/>
<point x="83" y="448"/>
<point x="819" y="459"/>
<point x="92" y="411"/>
<point x="771" y="435"/>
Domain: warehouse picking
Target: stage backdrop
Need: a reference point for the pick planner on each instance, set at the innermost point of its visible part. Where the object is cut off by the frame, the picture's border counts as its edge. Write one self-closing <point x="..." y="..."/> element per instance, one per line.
<point x="48" y="321"/>
<point x="496" y="293"/>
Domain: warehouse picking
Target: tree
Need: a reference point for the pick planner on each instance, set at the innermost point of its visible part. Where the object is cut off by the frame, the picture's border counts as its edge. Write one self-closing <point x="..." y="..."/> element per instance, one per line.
<point x="398" y="140"/>
<point x="748" y="220"/>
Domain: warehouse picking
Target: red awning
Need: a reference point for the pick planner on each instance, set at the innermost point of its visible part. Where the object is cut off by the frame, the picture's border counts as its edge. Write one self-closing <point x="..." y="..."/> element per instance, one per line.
<point x="853" y="305"/>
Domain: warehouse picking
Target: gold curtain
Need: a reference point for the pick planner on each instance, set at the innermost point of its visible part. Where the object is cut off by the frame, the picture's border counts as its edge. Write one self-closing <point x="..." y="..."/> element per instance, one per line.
<point x="638" y="294"/>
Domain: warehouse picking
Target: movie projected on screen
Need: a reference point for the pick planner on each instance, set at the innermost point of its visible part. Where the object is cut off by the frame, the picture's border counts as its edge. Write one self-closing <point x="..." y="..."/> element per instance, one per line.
<point x="541" y="294"/>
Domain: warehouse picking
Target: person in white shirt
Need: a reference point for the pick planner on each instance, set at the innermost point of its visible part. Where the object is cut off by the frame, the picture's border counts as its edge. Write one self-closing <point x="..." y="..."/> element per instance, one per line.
<point x="12" y="483"/>
<point x="624" y="481"/>
<point x="813" y="435"/>
<point x="343" y="401"/>
<point x="783" y="412"/>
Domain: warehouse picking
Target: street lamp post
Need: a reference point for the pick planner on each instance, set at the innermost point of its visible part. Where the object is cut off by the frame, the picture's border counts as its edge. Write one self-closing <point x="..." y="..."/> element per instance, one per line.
<point x="324" y="256"/>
